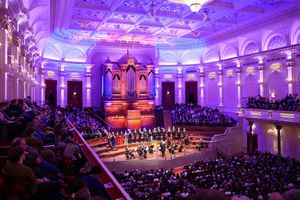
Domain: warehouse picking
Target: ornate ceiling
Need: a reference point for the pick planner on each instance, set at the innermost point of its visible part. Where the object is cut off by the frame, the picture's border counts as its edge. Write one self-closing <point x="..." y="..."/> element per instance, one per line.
<point x="157" y="21"/>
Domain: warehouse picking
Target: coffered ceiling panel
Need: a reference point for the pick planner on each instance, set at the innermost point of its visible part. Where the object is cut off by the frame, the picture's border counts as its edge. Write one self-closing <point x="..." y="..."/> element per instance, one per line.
<point x="156" y="21"/>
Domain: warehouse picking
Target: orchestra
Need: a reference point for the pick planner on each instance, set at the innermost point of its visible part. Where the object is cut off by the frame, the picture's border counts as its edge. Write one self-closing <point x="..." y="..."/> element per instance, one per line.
<point x="171" y="139"/>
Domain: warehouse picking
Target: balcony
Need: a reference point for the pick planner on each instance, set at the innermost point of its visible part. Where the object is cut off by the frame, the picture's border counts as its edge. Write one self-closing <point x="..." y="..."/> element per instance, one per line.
<point x="270" y="115"/>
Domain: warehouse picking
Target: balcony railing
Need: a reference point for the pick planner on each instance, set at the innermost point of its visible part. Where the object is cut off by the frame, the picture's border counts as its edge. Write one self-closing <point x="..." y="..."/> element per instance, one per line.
<point x="272" y="115"/>
<point x="113" y="188"/>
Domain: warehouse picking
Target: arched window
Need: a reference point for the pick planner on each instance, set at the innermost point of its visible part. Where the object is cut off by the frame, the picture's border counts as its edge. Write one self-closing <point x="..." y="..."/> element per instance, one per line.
<point x="251" y="48"/>
<point x="276" y="42"/>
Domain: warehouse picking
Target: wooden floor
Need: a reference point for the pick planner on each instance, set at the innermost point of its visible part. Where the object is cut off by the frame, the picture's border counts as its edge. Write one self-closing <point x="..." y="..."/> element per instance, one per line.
<point x="174" y="163"/>
<point x="115" y="158"/>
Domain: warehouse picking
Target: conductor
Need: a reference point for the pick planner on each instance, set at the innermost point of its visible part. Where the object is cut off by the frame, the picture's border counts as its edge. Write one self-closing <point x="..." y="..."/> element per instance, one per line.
<point x="162" y="148"/>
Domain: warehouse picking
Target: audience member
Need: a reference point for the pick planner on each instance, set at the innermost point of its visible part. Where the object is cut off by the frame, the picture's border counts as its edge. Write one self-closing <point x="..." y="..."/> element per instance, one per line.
<point x="289" y="103"/>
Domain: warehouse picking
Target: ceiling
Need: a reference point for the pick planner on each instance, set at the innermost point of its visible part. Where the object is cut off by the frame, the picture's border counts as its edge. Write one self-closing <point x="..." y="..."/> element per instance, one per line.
<point x="156" y="21"/>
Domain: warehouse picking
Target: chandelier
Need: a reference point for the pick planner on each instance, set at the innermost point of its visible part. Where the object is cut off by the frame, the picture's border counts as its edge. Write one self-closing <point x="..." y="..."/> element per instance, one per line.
<point x="195" y="5"/>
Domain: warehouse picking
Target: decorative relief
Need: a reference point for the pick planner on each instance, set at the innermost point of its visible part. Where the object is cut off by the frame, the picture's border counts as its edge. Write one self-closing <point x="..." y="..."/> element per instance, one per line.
<point x="230" y="73"/>
<point x="250" y="70"/>
<point x="276" y="67"/>
<point x="4" y="19"/>
<point x="212" y="75"/>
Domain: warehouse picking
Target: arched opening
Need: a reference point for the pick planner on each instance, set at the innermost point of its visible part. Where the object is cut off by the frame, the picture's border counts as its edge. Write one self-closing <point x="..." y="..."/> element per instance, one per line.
<point x="277" y="85"/>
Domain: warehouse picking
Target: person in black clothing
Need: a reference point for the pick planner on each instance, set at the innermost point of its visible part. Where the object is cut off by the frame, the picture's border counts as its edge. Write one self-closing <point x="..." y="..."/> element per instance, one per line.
<point x="163" y="148"/>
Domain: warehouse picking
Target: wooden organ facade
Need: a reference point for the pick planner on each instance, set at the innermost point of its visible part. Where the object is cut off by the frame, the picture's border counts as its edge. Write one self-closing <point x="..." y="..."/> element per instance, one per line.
<point x="129" y="93"/>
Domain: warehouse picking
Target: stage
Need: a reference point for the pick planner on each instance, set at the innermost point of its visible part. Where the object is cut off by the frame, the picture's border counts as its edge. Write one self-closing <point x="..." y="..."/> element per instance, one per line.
<point x="165" y="163"/>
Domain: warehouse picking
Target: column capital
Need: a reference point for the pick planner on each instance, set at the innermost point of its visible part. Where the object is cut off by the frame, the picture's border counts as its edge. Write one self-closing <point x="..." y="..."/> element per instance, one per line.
<point x="290" y="63"/>
<point x="278" y="126"/>
<point x="261" y="67"/>
<point x="250" y="122"/>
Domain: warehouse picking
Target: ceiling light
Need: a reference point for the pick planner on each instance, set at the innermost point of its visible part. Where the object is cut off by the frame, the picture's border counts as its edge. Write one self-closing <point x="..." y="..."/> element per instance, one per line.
<point x="195" y="5"/>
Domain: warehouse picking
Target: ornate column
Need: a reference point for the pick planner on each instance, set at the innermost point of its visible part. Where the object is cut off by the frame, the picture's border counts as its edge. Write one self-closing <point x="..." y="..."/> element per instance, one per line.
<point x="43" y="85"/>
<point x="179" y="84"/>
<point x="157" y="90"/>
<point x="88" y="76"/>
<point x="220" y="84"/>
<point x="278" y="128"/>
<point x="4" y="26"/>
<point x="62" y="87"/>
<point x="238" y="84"/>
<point x="261" y="79"/>
<point x="290" y="64"/>
<point x="201" y="85"/>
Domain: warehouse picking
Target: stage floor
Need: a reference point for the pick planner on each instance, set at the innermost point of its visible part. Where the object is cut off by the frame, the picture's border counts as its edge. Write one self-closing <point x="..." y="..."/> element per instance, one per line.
<point x="168" y="162"/>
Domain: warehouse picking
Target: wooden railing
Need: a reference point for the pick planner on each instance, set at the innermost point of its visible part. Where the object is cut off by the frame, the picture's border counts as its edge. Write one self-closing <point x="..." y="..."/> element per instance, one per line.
<point x="113" y="188"/>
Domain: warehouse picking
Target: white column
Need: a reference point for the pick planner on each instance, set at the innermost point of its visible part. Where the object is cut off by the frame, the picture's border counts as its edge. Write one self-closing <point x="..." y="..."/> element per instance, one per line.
<point x="290" y="64"/>
<point x="88" y="85"/>
<point x="201" y="86"/>
<point x="261" y="80"/>
<point x="220" y="84"/>
<point x="3" y="60"/>
<point x="179" y="82"/>
<point x="43" y="85"/>
<point x="157" y="87"/>
<point x="62" y="85"/>
<point x="238" y="84"/>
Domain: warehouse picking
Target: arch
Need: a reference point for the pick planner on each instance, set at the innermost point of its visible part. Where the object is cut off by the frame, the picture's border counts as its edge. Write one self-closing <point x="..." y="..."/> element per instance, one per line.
<point x="250" y="48"/>
<point x="298" y="84"/>
<point x="229" y="52"/>
<point x="250" y="86"/>
<point x="168" y="57"/>
<point x="276" y="41"/>
<point x="130" y="81"/>
<point x="296" y="37"/>
<point x="277" y="85"/>
<point x="116" y="84"/>
<point x="211" y="56"/>
<point x="151" y="81"/>
<point x="190" y="57"/>
<point x="75" y="55"/>
<point x="51" y="52"/>
<point x="142" y="84"/>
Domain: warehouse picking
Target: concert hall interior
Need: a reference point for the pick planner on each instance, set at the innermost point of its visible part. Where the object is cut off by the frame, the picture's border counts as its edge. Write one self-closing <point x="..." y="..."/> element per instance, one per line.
<point x="150" y="99"/>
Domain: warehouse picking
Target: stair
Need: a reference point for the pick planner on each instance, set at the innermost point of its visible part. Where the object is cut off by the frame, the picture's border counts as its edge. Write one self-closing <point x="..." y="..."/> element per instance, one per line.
<point x="167" y="118"/>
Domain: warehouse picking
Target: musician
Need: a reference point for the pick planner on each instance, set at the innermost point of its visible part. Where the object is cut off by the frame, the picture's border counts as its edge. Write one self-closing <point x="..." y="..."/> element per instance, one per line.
<point x="164" y="134"/>
<point x="180" y="149"/>
<point x="129" y="153"/>
<point x="150" y="147"/>
<point x="130" y="137"/>
<point x="125" y="138"/>
<point x="169" y="131"/>
<point x="154" y="131"/>
<point x="178" y="134"/>
<point x="135" y="135"/>
<point x="172" y="147"/>
<point x="140" y="132"/>
<point x="150" y="136"/>
<point x="186" y="140"/>
<point x="162" y="148"/>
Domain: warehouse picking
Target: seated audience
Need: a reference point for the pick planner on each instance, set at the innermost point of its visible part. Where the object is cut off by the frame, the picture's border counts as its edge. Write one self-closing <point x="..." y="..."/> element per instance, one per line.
<point x="195" y="115"/>
<point x="289" y="103"/>
<point x="256" y="177"/>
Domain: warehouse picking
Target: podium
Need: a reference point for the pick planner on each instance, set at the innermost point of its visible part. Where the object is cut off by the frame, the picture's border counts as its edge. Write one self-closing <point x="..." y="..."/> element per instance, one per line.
<point x="133" y="119"/>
